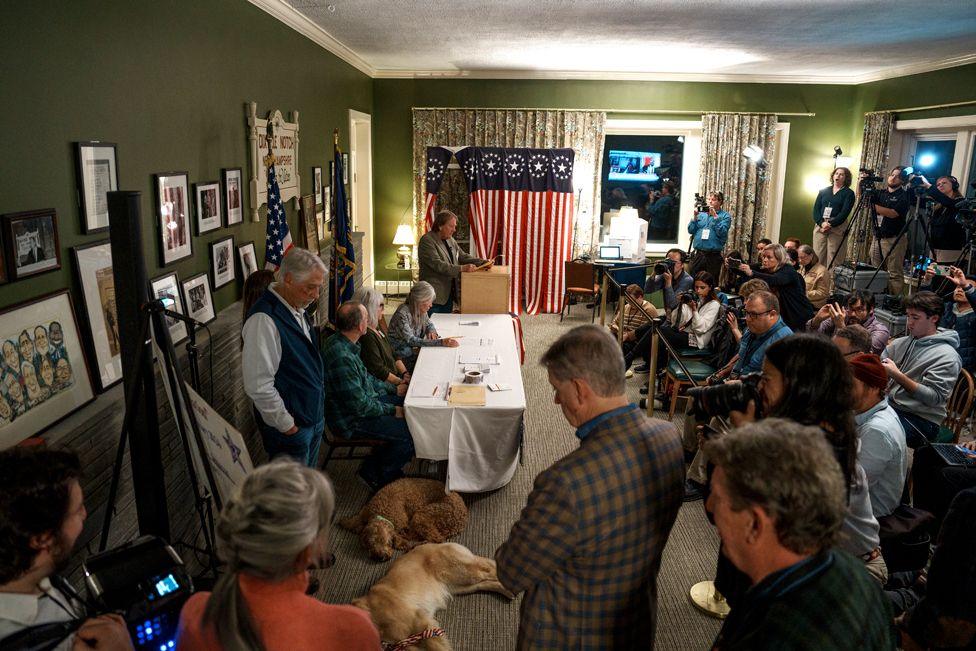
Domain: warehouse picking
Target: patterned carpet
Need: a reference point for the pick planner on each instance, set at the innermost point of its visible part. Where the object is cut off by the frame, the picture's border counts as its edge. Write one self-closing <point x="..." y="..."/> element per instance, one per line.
<point x="486" y="621"/>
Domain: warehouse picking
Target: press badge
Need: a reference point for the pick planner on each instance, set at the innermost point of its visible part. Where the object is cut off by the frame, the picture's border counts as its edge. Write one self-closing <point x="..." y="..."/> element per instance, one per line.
<point x="705" y="233"/>
<point x="826" y="214"/>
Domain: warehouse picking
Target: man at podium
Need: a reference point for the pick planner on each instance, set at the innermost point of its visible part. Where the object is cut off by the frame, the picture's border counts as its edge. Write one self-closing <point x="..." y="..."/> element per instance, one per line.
<point x="442" y="262"/>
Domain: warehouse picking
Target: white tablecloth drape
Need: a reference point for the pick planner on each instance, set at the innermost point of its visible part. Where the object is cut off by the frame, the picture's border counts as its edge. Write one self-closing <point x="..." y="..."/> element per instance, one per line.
<point x="481" y="444"/>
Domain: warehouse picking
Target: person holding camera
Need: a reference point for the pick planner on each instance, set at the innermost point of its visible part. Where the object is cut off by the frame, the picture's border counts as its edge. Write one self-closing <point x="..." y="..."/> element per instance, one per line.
<point x="891" y="206"/>
<point x="788" y="285"/>
<point x="945" y="234"/>
<point x="670" y="277"/>
<point x="659" y="211"/>
<point x="709" y="230"/>
<point x="859" y="310"/>
<point x="830" y="212"/>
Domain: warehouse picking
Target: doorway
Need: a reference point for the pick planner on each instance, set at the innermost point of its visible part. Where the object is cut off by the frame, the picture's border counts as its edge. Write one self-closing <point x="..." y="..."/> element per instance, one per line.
<point x="361" y="186"/>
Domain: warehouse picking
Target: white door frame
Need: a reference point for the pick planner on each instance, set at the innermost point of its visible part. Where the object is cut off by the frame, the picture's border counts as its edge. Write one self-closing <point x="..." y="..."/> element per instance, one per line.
<point x="362" y="217"/>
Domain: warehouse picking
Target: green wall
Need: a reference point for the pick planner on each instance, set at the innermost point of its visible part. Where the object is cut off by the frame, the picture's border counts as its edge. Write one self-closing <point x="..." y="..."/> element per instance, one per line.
<point x="167" y="82"/>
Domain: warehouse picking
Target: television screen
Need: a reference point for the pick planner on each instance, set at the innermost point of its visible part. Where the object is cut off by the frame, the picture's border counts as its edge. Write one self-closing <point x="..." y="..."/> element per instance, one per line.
<point x="638" y="166"/>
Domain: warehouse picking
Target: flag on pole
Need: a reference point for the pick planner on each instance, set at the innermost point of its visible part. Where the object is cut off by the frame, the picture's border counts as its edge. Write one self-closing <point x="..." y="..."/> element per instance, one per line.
<point x="278" y="238"/>
<point x="343" y="265"/>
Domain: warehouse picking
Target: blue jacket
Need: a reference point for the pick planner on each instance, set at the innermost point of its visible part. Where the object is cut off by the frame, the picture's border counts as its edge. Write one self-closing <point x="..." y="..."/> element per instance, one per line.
<point x="752" y="349"/>
<point x="299" y="380"/>
<point x="718" y="230"/>
<point x="965" y="327"/>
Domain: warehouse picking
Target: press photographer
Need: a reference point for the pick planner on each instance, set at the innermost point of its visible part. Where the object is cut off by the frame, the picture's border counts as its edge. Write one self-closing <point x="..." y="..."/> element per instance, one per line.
<point x="858" y="310"/>
<point x="659" y="211"/>
<point x="709" y="230"/>
<point x="43" y="514"/>
<point x="789" y="286"/>
<point x="670" y="277"/>
<point x="946" y="234"/>
<point x="891" y="205"/>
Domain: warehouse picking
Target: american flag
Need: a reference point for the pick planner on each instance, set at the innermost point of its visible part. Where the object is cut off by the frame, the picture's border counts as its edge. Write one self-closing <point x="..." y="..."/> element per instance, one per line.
<point x="343" y="269"/>
<point x="279" y="239"/>
<point x="437" y="160"/>
<point x="526" y="196"/>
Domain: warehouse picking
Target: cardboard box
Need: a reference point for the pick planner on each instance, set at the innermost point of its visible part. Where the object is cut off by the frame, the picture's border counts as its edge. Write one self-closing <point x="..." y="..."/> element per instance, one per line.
<point x="485" y="292"/>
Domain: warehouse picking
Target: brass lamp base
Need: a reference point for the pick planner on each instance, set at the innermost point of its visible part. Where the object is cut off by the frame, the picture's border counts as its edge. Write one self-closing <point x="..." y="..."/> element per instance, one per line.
<point x="709" y="600"/>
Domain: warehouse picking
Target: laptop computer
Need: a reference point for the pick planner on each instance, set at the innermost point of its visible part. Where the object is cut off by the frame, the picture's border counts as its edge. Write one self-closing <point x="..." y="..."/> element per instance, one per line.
<point x="955" y="455"/>
<point x="610" y="252"/>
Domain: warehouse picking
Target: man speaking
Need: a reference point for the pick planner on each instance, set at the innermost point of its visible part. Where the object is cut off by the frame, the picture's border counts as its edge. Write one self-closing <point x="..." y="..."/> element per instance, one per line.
<point x="442" y="261"/>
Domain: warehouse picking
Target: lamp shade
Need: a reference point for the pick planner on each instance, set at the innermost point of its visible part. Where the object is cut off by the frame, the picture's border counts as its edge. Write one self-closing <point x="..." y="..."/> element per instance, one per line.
<point x="404" y="236"/>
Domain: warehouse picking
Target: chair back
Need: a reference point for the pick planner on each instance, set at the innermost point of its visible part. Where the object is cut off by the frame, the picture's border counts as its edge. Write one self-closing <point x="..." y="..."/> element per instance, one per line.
<point x="579" y="275"/>
<point x="959" y="405"/>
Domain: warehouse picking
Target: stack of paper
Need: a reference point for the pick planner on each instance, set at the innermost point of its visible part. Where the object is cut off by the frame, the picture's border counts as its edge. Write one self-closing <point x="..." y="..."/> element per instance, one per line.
<point x="466" y="395"/>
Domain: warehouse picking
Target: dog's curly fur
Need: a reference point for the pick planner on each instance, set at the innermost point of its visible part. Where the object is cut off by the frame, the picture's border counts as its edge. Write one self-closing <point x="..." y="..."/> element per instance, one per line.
<point x="406" y="513"/>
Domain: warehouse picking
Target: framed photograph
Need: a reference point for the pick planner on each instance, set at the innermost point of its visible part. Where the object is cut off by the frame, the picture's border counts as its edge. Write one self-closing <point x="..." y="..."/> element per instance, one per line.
<point x="208" y="206"/>
<point x="248" y="258"/>
<point x="93" y="264"/>
<point x="233" y="181"/>
<point x="309" y="231"/>
<point x="345" y="169"/>
<point x="173" y="216"/>
<point x="98" y="174"/>
<point x="31" y="244"/>
<point x="327" y="204"/>
<point x="317" y="186"/>
<point x="222" y="261"/>
<point x="198" y="299"/>
<point x="43" y="374"/>
<point x="167" y="288"/>
<point x="320" y="226"/>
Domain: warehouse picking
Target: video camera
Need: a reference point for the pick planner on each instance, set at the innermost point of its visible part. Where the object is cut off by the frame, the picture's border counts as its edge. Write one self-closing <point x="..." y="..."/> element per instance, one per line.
<point x="722" y="399"/>
<point x="966" y="214"/>
<point x="665" y="266"/>
<point x="701" y="204"/>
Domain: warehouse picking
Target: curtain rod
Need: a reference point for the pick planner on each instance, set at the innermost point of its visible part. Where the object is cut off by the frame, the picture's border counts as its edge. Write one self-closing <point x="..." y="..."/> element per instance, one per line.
<point x="925" y="108"/>
<point x="608" y="110"/>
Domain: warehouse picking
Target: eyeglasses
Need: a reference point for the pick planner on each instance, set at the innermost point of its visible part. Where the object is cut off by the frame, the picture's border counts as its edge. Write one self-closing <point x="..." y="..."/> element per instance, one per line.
<point x="755" y="315"/>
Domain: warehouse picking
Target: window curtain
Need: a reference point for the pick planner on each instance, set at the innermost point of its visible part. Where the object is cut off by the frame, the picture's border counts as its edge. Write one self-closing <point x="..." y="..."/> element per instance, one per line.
<point x="874" y="156"/>
<point x="724" y="169"/>
<point x="581" y="131"/>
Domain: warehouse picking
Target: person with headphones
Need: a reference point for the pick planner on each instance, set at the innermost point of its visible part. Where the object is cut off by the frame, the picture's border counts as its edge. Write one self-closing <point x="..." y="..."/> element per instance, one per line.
<point x="945" y="234"/>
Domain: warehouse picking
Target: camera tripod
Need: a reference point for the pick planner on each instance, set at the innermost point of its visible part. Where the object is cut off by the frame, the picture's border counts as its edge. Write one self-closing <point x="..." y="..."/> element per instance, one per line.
<point x="916" y="215"/>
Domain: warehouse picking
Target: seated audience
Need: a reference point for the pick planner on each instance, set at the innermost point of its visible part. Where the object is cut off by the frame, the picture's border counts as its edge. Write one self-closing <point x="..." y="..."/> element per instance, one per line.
<point x="374" y="346"/>
<point x="760" y="247"/>
<point x="411" y="327"/>
<point x="273" y="528"/>
<point x="791" y="243"/>
<point x="634" y="318"/>
<point x="814" y="276"/>
<point x="778" y="502"/>
<point x="786" y="283"/>
<point x="254" y="286"/>
<point x="43" y="512"/>
<point x="763" y="327"/>
<point x="859" y="310"/>
<point x="960" y="316"/>
<point x="747" y="289"/>
<point x="587" y="547"/>
<point x="923" y="367"/>
<point x="361" y="406"/>
<point x="671" y="284"/>
<point x="883" y="452"/>
<point x="794" y="257"/>
<point x="852" y="340"/>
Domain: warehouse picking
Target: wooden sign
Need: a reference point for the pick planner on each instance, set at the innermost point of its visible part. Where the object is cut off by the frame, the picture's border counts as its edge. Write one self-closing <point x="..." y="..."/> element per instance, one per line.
<point x="285" y="146"/>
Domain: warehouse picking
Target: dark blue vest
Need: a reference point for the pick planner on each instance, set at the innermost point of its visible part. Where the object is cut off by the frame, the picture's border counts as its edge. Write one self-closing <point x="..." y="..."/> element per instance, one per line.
<point x="299" y="380"/>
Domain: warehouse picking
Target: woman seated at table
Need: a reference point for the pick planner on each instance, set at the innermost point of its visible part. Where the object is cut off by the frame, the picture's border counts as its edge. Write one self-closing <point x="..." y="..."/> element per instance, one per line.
<point x="374" y="346"/>
<point x="694" y="320"/>
<point x="411" y="328"/>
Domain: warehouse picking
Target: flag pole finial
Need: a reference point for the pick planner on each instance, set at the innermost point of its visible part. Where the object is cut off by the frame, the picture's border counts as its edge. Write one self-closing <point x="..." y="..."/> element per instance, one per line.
<point x="335" y="137"/>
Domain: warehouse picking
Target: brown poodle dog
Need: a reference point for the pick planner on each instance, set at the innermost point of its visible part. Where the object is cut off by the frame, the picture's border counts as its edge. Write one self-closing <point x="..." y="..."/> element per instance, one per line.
<point x="404" y="602"/>
<point x="406" y="513"/>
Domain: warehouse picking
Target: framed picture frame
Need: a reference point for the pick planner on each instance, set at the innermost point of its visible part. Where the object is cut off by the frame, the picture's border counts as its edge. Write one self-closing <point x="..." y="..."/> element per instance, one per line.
<point x="327" y="204"/>
<point x="309" y="231"/>
<point x="173" y="216"/>
<point x="93" y="266"/>
<point x="167" y="288"/>
<point x="198" y="298"/>
<point x="98" y="174"/>
<point x="207" y="196"/>
<point x="248" y="259"/>
<point x="317" y="186"/>
<point x="345" y="168"/>
<point x="43" y="372"/>
<point x="232" y="180"/>
<point x="31" y="242"/>
<point x="222" y="261"/>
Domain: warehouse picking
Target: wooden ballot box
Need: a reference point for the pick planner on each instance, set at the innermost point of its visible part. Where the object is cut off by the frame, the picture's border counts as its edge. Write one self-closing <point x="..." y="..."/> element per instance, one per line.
<point x="485" y="292"/>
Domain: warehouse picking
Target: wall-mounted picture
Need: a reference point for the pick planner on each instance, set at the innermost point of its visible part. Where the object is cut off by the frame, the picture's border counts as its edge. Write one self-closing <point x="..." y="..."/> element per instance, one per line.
<point x="345" y="169"/>
<point x="43" y="375"/>
<point x="222" y="261"/>
<point x="249" y="260"/>
<point x="98" y="174"/>
<point x="208" y="206"/>
<point x="167" y="289"/>
<point x="31" y="244"/>
<point x="327" y="204"/>
<point x="309" y="231"/>
<point x="198" y="299"/>
<point x="317" y="186"/>
<point x="173" y="216"/>
<point x="93" y="264"/>
<point x="233" y="181"/>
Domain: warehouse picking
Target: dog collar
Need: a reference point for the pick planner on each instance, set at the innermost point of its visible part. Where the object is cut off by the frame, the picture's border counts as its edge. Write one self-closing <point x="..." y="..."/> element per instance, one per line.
<point x="386" y="520"/>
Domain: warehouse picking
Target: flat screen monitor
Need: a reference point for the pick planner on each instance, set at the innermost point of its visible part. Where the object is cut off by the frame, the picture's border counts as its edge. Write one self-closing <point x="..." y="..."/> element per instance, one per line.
<point x="636" y="166"/>
<point x="609" y="252"/>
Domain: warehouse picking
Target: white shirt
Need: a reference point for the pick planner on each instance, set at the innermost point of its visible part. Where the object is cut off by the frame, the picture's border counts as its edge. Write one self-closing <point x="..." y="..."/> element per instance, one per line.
<point x="701" y="324"/>
<point x="19" y="611"/>
<point x="259" y="361"/>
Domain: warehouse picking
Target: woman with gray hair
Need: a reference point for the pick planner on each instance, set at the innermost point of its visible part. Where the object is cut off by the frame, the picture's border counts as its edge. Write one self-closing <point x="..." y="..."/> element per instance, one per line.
<point x="814" y="276"/>
<point x="374" y="346"/>
<point x="786" y="283"/>
<point x="410" y="326"/>
<point x="272" y="529"/>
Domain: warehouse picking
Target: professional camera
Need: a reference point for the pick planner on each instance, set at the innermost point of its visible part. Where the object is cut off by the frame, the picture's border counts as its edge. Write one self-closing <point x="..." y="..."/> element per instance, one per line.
<point x="722" y="399"/>
<point x="869" y="178"/>
<point x="733" y="262"/>
<point x="701" y="204"/>
<point x="688" y="297"/>
<point x="966" y="213"/>
<point x="665" y="266"/>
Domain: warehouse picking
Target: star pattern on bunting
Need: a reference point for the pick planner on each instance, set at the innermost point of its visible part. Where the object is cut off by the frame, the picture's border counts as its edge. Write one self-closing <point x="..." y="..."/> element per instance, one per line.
<point x="471" y="167"/>
<point x="562" y="168"/>
<point x="491" y="164"/>
<point x="514" y="165"/>
<point x="538" y="165"/>
<point x="435" y="169"/>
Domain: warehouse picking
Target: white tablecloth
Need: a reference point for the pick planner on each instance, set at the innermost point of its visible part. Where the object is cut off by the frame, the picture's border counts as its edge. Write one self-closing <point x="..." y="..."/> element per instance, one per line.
<point x="481" y="444"/>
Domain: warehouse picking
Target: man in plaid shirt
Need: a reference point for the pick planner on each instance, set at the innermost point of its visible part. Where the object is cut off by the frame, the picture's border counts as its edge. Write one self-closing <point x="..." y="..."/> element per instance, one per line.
<point x="358" y="405"/>
<point x="587" y="547"/>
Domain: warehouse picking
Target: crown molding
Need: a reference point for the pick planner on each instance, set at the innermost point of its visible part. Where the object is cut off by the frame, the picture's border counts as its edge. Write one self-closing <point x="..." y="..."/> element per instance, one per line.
<point x="310" y="30"/>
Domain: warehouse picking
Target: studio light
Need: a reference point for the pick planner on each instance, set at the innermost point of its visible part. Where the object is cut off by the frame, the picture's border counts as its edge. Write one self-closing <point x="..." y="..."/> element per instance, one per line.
<point x="926" y="160"/>
<point x="755" y="154"/>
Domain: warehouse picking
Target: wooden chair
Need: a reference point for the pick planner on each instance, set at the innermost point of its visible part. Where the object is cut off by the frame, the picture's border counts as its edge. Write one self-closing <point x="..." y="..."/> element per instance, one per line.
<point x="333" y="443"/>
<point x="677" y="379"/>
<point x="958" y="408"/>
<point x="580" y="281"/>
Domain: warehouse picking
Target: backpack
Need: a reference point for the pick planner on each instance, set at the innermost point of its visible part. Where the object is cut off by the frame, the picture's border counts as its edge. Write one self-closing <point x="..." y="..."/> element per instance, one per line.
<point x="723" y="344"/>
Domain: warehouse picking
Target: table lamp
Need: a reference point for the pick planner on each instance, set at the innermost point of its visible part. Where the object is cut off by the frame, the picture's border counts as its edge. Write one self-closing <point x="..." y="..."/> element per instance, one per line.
<point x="405" y="240"/>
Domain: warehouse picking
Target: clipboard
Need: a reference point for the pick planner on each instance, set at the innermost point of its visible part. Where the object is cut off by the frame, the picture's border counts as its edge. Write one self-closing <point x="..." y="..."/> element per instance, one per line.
<point x="466" y="395"/>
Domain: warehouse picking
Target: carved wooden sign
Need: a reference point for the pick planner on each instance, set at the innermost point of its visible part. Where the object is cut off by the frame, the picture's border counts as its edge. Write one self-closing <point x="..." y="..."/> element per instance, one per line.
<point x="285" y="146"/>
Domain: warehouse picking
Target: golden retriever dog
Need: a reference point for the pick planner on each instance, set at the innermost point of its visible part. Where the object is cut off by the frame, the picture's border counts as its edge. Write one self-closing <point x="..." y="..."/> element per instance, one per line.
<point x="420" y="583"/>
<point x="405" y="513"/>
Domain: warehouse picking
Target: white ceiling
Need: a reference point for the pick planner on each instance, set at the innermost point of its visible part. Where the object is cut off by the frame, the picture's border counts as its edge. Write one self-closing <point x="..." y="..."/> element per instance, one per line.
<point x="829" y="41"/>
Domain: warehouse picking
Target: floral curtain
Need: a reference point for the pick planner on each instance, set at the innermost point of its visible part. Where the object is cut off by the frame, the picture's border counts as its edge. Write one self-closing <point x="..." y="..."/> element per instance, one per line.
<point x="724" y="169"/>
<point x="874" y="156"/>
<point x="583" y="131"/>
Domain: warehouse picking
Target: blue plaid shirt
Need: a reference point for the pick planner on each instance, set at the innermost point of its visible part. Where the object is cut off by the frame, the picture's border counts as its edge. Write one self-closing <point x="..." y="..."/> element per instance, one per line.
<point x="351" y="393"/>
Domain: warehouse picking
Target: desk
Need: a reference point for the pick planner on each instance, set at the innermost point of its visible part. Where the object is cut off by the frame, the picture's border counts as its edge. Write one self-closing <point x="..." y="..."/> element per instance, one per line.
<point x="481" y="444"/>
